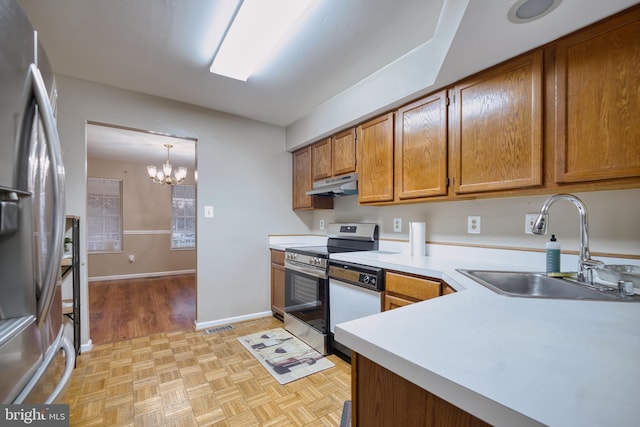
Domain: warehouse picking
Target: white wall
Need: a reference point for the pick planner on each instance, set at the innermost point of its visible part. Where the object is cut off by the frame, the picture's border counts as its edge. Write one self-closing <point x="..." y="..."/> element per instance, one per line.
<point x="613" y="221"/>
<point x="243" y="171"/>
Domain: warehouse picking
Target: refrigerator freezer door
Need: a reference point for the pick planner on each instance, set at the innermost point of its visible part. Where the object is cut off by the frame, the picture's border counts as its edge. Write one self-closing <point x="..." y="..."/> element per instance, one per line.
<point x="20" y="355"/>
<point x="53" y="374"/>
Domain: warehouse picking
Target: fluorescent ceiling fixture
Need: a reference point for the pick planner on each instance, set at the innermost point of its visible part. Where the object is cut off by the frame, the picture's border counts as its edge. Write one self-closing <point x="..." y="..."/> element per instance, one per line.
<point x="256" y="29"/>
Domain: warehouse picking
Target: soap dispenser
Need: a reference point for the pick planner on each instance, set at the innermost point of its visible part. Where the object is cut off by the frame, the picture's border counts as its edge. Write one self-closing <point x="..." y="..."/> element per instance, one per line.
<point x="553" y="255"/>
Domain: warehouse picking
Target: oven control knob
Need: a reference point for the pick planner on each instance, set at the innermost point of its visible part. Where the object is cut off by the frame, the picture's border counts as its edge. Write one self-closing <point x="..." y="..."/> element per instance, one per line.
<point x="365" y="279"/>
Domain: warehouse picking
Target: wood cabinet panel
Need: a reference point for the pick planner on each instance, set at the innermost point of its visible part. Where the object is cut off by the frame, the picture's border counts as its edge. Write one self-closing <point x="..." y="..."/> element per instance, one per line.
<point x="303" y="182"/>
<point x="410" y="286"/>
<point x="421" y="148"/>
<point x="375" y="160"/>
<point x="321" y="159"/>
<point x="392" y="301"/>
<point x="498" y="128"/>
<point x="344" y="152"/>
<point x="277" y="283"/>
<point x="383" y="398"/>
<point x="598" y="102"/>
<point x="446" y="289"/>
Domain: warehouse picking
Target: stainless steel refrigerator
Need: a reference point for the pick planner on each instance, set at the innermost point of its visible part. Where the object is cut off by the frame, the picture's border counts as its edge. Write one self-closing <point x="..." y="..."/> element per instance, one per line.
<point x="36" y="359"/>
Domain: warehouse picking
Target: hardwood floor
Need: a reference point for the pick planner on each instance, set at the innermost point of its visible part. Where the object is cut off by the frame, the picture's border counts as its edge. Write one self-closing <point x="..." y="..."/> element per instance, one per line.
<point x="125" y="309"/>
<point x="190" y="378"/>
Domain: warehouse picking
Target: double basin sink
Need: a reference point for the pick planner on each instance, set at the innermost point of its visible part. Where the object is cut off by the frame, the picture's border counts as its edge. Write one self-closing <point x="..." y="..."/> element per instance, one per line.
<point x="539" y="285"/>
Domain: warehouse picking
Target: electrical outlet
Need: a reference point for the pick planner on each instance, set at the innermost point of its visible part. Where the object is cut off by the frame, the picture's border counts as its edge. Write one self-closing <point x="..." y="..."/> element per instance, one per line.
<point x="397" y="225"/>
<point x="132" y="259"/>
<point x="529" y="220"/>
<point x="473" y="224"/>
<point x="322" y="224"/>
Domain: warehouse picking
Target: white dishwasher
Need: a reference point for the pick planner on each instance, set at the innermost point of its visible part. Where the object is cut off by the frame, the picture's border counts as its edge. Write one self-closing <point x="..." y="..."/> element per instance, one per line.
<point x="355" y="291"/>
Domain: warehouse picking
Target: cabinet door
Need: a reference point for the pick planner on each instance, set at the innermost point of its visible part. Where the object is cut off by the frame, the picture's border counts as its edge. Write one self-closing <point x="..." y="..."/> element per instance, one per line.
<point x="302" y="182"/>
<point x="344" y="152"/>
<point x="598" y="102"/>
<point x="392" y="301"/>
<point x="498" y="128"/>
<point x="375" y="160"/>
<point x="321" y="159"/>
<point x="421" y="148"/>
<point x="277" y="283"/>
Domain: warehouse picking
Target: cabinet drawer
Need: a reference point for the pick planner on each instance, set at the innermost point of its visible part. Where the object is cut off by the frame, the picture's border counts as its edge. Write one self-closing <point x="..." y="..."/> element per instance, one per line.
<point x="277" y="257"/>
<point x="414" y="287"/>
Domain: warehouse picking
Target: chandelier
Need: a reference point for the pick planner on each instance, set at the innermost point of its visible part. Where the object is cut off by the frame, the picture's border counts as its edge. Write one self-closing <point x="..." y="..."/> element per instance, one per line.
<point x="163" y="175"/>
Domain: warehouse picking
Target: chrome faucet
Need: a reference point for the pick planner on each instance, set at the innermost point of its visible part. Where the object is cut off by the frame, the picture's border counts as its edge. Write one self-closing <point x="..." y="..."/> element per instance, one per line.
<point x="585" y="263"/>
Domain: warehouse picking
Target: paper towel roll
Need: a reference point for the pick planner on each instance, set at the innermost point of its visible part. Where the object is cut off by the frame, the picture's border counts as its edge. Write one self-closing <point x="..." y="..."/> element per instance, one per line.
<point x="417" y="238"/>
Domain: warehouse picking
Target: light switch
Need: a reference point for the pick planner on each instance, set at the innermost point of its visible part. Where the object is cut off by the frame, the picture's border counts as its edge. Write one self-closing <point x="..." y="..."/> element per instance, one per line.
<point x="208" y="211"/>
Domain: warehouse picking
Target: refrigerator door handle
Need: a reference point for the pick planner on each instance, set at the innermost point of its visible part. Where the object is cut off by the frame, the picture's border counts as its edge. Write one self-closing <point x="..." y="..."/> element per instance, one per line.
<point x="64" y="344"/>
<point x="54" y="149"/>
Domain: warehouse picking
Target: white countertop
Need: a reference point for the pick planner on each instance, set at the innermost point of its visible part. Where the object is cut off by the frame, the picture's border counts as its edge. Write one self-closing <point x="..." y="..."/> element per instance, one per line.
<point x="509" y="361"/>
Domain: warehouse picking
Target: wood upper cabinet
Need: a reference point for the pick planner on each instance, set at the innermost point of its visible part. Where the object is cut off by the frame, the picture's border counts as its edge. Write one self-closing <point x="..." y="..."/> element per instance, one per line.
<point x="597" y="107"/>
<point x="343" y="152"/>
<point x="375" y="160"/>
<point x="321" y="159"/>
<point x="303" y="182"/>
<point x="334" y="156"/>
<point x="421" y="148"/>
<point x="497" y="127"/>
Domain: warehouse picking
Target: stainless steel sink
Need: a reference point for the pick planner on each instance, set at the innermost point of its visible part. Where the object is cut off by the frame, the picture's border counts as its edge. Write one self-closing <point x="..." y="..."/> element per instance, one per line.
<point x="538" y="285"/>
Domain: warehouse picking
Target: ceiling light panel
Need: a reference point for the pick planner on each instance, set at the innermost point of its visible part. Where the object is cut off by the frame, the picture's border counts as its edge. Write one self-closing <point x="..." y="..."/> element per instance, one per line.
<point x="257" y="29"/>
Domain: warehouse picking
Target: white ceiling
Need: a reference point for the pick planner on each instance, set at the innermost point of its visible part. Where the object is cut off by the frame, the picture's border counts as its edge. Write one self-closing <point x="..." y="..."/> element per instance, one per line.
<point x="164" y="47"/>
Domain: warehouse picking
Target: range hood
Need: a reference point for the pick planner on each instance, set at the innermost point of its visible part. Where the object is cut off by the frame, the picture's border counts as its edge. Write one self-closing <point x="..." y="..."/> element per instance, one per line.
<point x="342" y="185"/>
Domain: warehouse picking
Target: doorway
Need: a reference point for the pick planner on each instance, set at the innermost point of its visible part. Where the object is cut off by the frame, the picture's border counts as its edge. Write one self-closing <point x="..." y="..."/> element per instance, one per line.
<point x="140" y="230"/>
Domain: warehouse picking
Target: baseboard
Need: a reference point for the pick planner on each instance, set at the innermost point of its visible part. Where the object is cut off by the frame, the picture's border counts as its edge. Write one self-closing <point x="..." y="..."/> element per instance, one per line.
<point x="87" y="347"/>
<point x="228" y="320"/>
<point x="140" y="275"/>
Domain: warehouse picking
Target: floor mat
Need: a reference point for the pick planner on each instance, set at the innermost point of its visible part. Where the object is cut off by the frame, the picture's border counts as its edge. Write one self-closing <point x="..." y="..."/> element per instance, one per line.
<point x="286" y="357"/>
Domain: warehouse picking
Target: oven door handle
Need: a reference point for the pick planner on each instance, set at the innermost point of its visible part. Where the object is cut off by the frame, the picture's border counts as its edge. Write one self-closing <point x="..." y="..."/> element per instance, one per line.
<point x="315" y="272"/>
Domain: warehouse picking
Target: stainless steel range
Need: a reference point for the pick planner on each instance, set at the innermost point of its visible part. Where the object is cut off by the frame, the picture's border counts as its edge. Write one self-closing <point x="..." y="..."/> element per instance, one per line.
<point x="307" y="280"/>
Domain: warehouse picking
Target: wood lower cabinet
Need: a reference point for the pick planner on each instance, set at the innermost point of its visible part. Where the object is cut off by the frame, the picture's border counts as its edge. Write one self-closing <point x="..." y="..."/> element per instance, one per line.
<point x="375" y="160"/>
<point x="277" y="283"/>
<point x="382" y="398"/>
<point x="402" y="289"/>
<point x="597" y="104"/>
<point x="497" y="128"/>
<point x="303" y="182"/>
<point x="421" y="148"/>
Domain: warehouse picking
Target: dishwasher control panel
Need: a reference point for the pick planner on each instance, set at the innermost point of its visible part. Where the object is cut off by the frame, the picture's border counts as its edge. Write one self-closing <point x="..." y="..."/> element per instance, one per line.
<point x="362" y="275"/>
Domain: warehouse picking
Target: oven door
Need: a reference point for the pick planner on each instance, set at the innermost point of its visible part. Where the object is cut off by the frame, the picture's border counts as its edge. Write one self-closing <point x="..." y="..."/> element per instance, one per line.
<point x="305" y="304"/>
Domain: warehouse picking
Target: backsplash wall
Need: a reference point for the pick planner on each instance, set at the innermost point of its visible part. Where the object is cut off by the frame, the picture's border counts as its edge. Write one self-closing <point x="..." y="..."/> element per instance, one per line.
<point x="614" y="221"/>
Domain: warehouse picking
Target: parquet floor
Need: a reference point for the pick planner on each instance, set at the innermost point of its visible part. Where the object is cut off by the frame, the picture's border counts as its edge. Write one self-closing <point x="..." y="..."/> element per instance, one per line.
<point x="190" y="378"/>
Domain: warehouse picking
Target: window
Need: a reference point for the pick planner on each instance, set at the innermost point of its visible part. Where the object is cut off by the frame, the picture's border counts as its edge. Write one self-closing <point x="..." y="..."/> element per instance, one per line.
<point x="104" y="215"/>
<point x="183" y="217"/>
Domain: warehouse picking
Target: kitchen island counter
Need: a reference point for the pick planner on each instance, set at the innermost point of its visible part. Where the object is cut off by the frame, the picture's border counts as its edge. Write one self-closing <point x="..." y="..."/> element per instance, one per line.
<point x="508" y="361"/>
